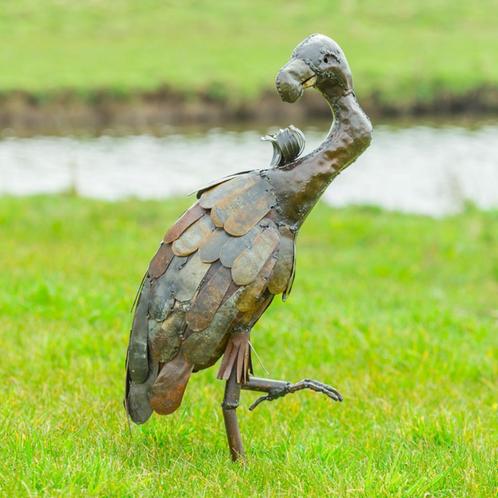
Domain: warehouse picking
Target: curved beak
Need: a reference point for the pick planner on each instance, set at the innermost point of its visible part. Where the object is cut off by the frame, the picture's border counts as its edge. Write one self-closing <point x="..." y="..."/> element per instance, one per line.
<point x="293" y="78"/>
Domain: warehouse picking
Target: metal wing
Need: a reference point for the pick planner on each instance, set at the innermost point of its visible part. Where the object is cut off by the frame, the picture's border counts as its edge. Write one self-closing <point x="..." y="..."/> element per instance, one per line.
<point x="210" y="275"/>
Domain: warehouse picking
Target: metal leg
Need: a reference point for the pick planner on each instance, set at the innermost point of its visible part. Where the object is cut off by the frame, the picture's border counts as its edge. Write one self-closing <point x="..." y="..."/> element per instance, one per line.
<point x="279" y="388"/>
<point x="274" y="389"/>
<point x="229" y="406"/>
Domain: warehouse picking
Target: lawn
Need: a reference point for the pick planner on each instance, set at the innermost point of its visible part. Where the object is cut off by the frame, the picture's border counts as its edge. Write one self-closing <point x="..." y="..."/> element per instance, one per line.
<point x="397" y="311"/>
<point x="403" y="50"/>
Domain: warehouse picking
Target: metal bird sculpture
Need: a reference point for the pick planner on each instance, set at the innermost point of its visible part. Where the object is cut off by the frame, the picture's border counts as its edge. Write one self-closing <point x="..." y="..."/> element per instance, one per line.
<point x="220" y="265"/>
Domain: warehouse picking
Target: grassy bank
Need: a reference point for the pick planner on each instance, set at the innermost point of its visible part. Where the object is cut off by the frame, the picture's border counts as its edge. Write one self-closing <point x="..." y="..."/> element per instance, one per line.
<point x="397" y="311"/>
<point x="404" y="51"/>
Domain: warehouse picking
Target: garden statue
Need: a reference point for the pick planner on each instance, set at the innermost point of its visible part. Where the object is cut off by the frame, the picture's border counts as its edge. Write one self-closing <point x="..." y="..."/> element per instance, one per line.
<point x="221" y="264"/>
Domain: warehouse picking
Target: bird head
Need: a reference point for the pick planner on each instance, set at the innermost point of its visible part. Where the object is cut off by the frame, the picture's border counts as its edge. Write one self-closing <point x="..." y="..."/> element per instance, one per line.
<point x="319" y="62"/>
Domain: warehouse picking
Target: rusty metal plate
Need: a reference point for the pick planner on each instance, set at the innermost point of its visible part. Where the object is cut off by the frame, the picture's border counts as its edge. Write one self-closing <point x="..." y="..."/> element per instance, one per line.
<point x="190" y="216"/>
<point x="165" y="341"/>
<point x="250" y="208"/>
<point x="231" y="202"/>
<point x="219" y="181"/>
<point x="162" y="296"/>
<point x="204" y="348"/>
<point x="209" y="252"/>
<point x="237" y="350"/>
<point x="166" y="394"/>
<point x="220" y="211"/>
<point x="288" y="288"/>
<point x="235" y="245"/>
<point x="137" y="398"/>
<point x="246" y="267"/>
<point x="285" y="258"/>
<point x="188" y="279"/>
<point x="234" y="201"/>
<point x="138" y="363"/>
<point x="161" y="260"/>
<point x="250" y="297"/>
<point x="243" y="208"/>
<point x="192" y="238"/>
<point x="247" y="319"/>
<point x="213" y="196"/>
<point x="208" y="300"/>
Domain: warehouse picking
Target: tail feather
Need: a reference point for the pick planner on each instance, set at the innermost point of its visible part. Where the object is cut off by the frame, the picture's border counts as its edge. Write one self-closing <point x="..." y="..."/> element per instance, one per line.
<point x="166" y="394"/>
<point x="136" y="401"/>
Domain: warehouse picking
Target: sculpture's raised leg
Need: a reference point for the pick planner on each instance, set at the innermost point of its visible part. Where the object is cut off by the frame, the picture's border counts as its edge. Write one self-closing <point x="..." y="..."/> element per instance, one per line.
<point x="274" y="389"/>
<point x="279" y="388"/>
<point x="229" y="406"/>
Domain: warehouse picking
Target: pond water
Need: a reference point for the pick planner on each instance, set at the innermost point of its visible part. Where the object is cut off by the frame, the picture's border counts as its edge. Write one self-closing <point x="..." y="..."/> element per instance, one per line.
<point x="419" y="169"/>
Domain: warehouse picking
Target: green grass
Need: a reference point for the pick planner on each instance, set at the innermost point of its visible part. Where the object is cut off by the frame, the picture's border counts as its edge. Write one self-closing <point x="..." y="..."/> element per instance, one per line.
<point x="404" y="50"/>
<point x="397" y="311"/>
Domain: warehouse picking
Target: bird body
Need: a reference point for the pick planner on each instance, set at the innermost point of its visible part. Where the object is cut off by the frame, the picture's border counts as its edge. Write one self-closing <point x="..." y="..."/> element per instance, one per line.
<point x="222" y="263"/>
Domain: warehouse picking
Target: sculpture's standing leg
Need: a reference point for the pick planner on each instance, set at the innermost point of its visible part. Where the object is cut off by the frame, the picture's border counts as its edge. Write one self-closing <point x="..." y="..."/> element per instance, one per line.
<point x="229" y="406"/>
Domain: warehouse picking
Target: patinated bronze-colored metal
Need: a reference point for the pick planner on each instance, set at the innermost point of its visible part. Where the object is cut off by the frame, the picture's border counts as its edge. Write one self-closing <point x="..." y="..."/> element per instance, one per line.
<point x="234" y="250"/>
<point x="287" y="145"/>
<point x="162" y="299"/>
<point x="243" y="212"/>
<point x="208" y="300"/>
<point x="137" y="363"/>
<point x="225" y="190"/>
<point x="210" y="251"/>
<point x="282" y="273"/>
<point x="188" y="279"/>
<point x="203" y="349"/>
<point x="165" y="339"/>
<point x="161" y="260"/>
<point x="236" y="202"/>
<point x="236" y="356"/>
<point x="137" y="397"/>
<point x="189" y="217"/>
<point x="249" y="263"/>
<point x="252" y="294"/>
<point x="235" y="245"/>
<point x="166" y="393"/>
<point x="193" y="237"/>
<point x="229" y="405"/>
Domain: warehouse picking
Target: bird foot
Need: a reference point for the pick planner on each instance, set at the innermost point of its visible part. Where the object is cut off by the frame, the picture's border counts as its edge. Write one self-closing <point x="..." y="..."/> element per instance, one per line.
<point x="279" y="389"/>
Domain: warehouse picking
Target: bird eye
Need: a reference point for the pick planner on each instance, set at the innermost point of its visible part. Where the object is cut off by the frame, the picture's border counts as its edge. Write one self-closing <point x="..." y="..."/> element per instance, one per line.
<point x="326" y="60"/>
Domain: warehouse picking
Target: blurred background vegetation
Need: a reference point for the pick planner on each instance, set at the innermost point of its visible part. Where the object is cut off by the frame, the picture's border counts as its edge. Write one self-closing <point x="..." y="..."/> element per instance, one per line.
<point x="402" y="50"/>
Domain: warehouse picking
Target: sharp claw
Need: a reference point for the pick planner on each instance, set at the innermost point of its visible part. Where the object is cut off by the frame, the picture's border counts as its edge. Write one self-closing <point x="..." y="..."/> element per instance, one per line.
<point x="259" y="400"/>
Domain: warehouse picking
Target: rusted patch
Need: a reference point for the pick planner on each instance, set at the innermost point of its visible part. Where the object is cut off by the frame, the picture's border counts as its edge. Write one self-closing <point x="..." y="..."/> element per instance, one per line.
<point x="290" y="283"/>
<point x="204" y="348"/>
<point x="246" y="267"/>
<point x="162" y="296"/>
<point x="235" y="245"/>
<point x="138" y="363"/>
<point x="137" y="397"/>
<point x="188" y="279"/>
<point x="208" y="299"/>
<point x="282" y="272"/>
<point x="166" y="339"/>
<point x="249" y="209"/>
<point x="210" y="251"/>
<point x="190" y="216"/>
<point x="219" y="192"/>
<point x="250" y="297"/>
<point x="160" y="261"/>
<point x="195" y="236"/>
<point x="166" y="393"/>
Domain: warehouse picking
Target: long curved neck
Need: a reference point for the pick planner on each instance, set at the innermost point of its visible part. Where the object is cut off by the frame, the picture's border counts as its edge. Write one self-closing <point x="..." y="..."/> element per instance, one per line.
<point x="298" y="186"/>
